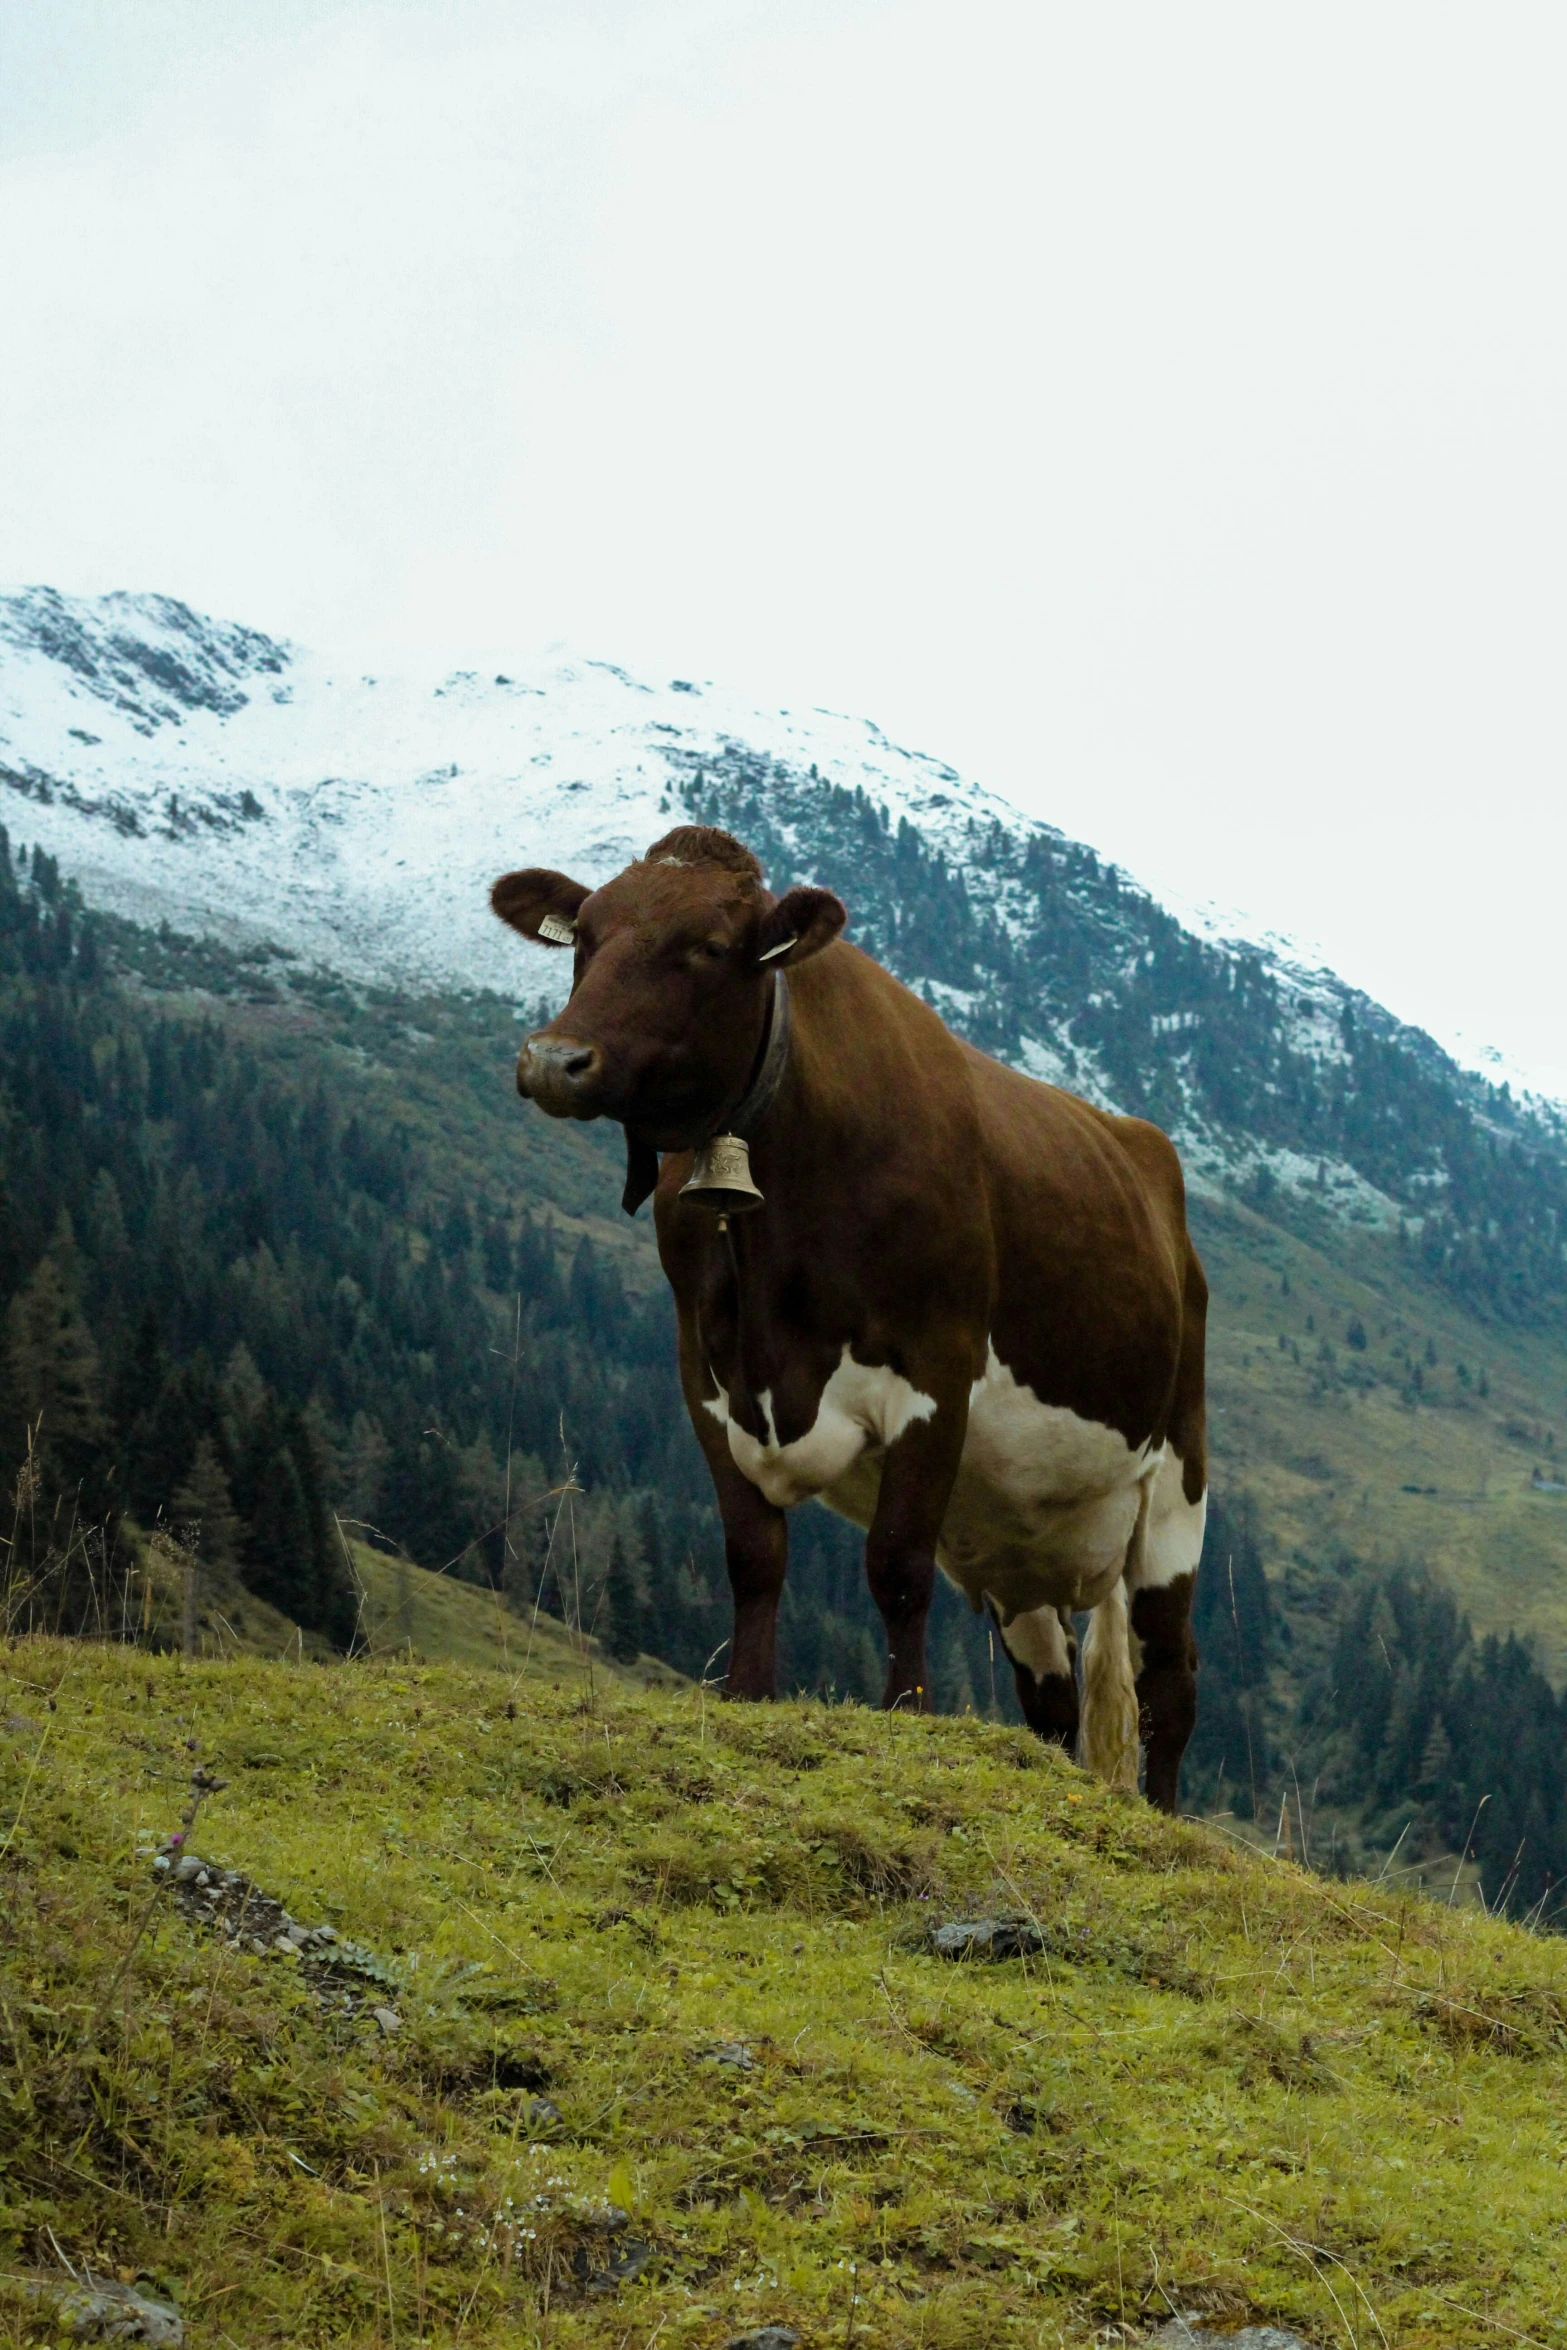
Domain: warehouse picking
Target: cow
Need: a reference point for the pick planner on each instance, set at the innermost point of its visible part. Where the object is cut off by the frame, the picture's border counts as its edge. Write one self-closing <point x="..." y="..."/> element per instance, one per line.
<point x="966" y="1311"/>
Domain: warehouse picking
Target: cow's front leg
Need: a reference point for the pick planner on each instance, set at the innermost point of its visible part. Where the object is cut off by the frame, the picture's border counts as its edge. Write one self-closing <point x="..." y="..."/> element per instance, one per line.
<point x="756" y="1552"/>
<point x="756" y="1537"/>
<point x="900" y="1548"/>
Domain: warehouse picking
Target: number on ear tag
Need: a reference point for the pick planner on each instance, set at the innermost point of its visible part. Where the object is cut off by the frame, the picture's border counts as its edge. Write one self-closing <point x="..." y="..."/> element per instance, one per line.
<point x="559" y="933"/>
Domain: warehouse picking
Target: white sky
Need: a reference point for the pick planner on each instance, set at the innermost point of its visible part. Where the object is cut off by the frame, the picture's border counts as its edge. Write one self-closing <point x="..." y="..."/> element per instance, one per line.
<point x="1157" y="410"/>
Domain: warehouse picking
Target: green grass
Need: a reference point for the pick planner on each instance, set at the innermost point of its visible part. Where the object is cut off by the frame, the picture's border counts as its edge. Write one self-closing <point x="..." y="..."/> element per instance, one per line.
<point x="1224" y="2085"/>
<point x="1330" y="1462"/>
<point x="443" y="1621"/>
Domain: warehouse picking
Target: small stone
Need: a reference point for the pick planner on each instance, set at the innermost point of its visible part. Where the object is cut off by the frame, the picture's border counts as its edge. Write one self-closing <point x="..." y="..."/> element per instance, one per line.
<point x="298" y="1935"/>
<point x="1183" y="2333"/>
<point x="627" y="2265"/>
<point x="765" y="2338"/>
<point x="325" y="1934"/>
<point x="987" y="1938"/>
<point x="97" y="2309"/>
<point x="731" y="2052"/>
<point x="388" y="2019"/>
<point x="541" y="2113"/>
<point x="188" y="1868"/>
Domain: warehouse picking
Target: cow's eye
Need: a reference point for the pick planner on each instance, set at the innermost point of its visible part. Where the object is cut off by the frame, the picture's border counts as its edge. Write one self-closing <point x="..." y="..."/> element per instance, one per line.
<point x="713" y="950"/>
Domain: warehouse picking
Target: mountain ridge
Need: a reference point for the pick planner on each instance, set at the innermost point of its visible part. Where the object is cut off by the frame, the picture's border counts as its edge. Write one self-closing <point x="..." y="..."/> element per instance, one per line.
<point x="237" y="785"/>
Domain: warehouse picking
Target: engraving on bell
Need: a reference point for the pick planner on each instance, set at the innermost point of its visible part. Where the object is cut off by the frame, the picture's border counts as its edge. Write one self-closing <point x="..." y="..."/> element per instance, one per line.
<point x="721" y="1177"/>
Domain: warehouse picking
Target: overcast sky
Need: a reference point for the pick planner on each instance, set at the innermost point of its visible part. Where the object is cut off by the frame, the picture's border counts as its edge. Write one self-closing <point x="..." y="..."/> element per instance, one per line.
<point x="1156" y="410"/>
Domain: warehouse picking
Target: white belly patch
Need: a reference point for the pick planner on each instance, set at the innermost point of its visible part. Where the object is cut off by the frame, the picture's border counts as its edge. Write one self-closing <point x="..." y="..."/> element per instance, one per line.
<point x="1045" y="1503"/>
<point x="862" y="1409"/>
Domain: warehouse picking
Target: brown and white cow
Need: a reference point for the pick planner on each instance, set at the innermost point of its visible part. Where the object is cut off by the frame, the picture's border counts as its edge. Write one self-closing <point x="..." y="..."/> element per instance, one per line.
<point x="969" y="1315"/>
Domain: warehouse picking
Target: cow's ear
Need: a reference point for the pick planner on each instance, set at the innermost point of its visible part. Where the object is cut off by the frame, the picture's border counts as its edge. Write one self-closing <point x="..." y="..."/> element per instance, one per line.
<point x="542" y="905"/>
<point x="799" y="926"/>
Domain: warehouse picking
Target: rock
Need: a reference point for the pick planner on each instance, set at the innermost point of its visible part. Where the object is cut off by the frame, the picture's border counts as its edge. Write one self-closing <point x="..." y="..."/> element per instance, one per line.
<point x="624" y="2269"/>
<point x="630" y="2261"/>
<point x="96" y="2309"/>
<point x="987" y="1938"/>
<point x="729" y="2052"/>
<point x="541" y="2113"/>
<point x="188" y="1868"/>
<point x="388" y="2019"/>
<point x="765" y="2338"/>
<point x="1183" y="2333"/>
<point x="298" y="1935"/>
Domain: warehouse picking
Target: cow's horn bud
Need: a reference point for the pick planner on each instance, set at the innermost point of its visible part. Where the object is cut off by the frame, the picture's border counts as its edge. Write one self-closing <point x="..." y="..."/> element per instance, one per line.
<point x="721" y="1177"/>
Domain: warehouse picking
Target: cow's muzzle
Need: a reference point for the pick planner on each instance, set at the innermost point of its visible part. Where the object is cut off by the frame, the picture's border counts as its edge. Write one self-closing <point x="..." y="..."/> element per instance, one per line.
<point x="561" y="1075"/>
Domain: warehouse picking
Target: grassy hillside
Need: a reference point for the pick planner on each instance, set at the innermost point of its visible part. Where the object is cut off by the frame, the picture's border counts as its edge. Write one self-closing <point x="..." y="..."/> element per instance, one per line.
<point x="402" y="1610"/>
<point x="1330" y="1448"/>
<point x="434" y="1619"/>
<point x="633" y="2031"/>
<point x="282" y="1256"/>
<point x="1343" y="1448"/>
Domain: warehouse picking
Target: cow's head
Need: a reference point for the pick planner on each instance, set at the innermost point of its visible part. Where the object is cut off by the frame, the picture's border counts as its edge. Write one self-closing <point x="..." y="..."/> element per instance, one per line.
<point x="673" y="965"/>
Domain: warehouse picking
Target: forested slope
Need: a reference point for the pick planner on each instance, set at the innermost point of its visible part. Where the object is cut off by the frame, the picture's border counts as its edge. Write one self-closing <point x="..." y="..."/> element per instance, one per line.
<point x="1035" y="948"/>
<point x="282" y="1258"/>
<point x="259" y="1278"/>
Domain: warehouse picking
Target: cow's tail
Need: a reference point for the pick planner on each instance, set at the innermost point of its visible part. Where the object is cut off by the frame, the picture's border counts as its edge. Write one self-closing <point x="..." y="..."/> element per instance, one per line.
<point x="1107" y="1743"/>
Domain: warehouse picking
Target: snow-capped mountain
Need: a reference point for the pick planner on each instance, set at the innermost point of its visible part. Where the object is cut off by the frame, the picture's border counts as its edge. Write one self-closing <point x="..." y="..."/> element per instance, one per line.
<point x="240" y="787"/>
<point x="188" y="769"/>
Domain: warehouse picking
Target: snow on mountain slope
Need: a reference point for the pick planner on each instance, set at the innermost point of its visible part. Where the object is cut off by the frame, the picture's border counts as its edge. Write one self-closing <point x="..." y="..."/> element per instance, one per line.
<point x="243" y="788"/>
<point x="186" y="769"/>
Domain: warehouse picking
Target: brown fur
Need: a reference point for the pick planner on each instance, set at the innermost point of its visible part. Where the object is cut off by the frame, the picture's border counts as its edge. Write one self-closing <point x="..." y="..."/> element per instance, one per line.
<point x="923" y="1201"/>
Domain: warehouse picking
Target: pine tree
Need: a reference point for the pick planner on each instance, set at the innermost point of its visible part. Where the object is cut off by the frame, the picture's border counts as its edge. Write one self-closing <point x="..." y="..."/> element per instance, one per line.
<point x="203" y="1510"/>
<point x="51" y="1376"/>
<point x="623" y="1636"/>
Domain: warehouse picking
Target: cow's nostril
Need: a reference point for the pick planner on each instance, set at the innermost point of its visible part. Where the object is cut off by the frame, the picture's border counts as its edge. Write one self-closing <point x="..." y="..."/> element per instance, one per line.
<point x="559" y="1072"/>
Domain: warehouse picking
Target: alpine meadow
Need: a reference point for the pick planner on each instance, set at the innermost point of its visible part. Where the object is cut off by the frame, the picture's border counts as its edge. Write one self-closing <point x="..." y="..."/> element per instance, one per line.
<point x="351" y="1504"/>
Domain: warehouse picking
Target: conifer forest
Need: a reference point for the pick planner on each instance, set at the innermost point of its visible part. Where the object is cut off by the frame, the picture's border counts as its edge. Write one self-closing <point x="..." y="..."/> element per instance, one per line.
<point x="264" y="1278"/>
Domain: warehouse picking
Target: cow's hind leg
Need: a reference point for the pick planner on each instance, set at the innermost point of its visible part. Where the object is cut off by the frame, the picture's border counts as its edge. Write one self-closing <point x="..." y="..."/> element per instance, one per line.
<point x="1162" y="1569"/>
<point x="1160" y="1577"/>
<point x="1042" y="1647"/>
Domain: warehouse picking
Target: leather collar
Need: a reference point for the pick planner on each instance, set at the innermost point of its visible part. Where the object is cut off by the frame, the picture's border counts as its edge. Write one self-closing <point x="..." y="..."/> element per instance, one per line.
<point x="743" y="1119"/>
